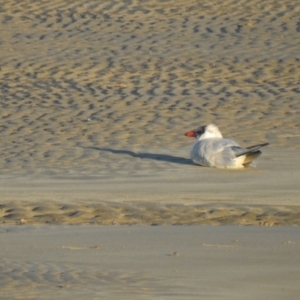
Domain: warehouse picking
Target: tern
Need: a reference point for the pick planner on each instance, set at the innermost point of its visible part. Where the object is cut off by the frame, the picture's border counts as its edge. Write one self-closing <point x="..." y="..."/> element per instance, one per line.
<point x="212" y="150"/>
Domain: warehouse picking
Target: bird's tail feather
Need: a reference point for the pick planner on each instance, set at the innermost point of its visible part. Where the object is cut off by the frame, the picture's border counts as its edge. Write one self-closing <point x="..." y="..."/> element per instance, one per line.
<point x="250" y="157"/>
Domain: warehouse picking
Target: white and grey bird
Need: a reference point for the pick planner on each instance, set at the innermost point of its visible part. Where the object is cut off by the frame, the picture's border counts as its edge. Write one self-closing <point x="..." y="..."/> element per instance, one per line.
<point x="212" y="150"/>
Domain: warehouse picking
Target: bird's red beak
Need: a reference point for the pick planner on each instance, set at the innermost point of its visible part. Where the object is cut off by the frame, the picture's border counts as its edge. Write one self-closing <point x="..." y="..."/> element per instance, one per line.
<point x="191" y="133"/>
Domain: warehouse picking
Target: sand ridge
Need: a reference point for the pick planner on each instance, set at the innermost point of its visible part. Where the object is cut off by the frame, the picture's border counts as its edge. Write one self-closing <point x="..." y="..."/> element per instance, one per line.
<point x="143" y="213"/>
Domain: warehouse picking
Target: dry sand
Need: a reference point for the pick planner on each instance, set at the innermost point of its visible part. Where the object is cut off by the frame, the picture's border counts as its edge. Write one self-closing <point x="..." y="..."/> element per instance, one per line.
<point x="95" y="99"/>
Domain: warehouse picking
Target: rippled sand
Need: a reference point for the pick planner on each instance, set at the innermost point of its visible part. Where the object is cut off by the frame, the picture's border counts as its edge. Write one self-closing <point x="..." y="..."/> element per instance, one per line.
<point x="95" y="99"/>
<point x="137" y="75"/>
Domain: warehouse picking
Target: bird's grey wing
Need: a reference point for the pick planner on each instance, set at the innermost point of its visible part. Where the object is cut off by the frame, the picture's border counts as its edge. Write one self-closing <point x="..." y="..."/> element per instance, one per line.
<point x="220" y="145"/>
<point x="239" y="151"/>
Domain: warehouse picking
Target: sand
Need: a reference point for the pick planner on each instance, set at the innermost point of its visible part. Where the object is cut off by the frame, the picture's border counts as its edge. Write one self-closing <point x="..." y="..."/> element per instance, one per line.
<point x="146" y="262"/>
<point x="95" y="99"/>
<point x="180" y="193"/>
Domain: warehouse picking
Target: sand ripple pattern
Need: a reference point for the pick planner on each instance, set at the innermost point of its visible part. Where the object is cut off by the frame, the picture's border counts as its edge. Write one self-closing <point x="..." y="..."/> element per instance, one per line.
<point x="136" y="74"/>
<point x="29" y="280"/>
<point x="146" y="213"/>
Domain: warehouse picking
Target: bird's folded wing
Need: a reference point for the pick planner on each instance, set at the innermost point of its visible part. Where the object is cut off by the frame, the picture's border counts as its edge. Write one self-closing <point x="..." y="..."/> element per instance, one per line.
<point x="239" y="151"/>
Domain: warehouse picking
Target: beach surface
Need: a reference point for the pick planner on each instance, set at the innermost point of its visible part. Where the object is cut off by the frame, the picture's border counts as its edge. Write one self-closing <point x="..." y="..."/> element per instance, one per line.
<point x="149" y="262"/>
<point x="95" y="99"/>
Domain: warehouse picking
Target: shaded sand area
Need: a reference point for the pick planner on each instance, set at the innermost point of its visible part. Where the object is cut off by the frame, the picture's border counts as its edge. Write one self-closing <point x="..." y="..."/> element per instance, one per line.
<point x="146" y="262"/>
<point x="95" y="99"/>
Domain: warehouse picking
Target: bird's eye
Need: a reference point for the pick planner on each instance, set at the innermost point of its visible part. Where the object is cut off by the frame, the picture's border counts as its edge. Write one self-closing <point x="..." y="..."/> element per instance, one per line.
<point x="200" y="130"/>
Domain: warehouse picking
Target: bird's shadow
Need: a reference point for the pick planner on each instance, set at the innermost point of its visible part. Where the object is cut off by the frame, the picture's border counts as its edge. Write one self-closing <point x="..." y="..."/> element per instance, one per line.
<point x="144" y="155"/>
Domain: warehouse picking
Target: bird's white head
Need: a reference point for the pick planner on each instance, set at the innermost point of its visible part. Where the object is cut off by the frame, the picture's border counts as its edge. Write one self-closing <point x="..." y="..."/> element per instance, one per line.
<point x="205" y="132"/>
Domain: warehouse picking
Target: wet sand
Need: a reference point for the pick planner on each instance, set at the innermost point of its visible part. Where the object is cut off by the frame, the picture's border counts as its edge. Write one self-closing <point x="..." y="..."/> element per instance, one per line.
<point x="146" y="262"/>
